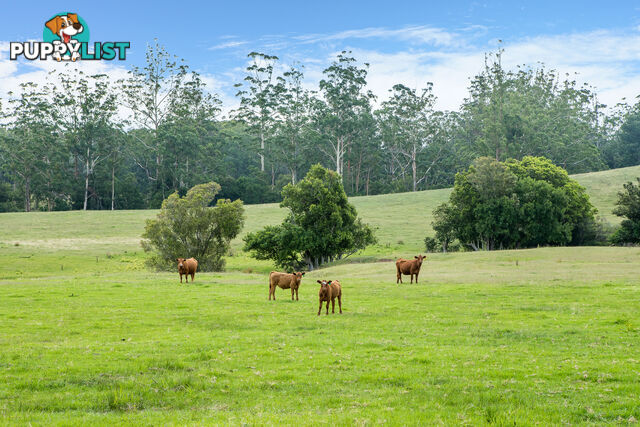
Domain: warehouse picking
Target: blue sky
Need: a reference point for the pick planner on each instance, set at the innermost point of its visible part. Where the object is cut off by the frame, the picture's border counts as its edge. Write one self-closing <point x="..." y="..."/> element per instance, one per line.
<point x="408" y="42"/>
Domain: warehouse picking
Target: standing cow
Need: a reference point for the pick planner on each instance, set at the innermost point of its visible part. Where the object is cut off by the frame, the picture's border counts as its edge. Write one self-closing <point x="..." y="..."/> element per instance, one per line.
<point x="329" y="291"/>
<point x="285" y="281"/>
<point x="187" y="267"/>
<point x="408" y="266"/>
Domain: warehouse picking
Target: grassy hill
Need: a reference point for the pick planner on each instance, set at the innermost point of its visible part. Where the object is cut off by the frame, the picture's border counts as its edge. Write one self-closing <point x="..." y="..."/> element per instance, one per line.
<point x="89" y="336"/>
<point x="402" y="219"/>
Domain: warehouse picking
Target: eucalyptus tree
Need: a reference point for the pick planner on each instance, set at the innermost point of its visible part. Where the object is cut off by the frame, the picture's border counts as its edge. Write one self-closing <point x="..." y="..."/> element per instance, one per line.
<point x="531" y="111"/>
<point x="257" y="104"/>
<point x="624" y="146"/>
<point x="150" y="93"/>
<point x="190" y="136"/>
<point x="87" y="110"/>
<point x="345" y="100"/>
<point x="292" y="104"/>
<point x="29" y="148"/>
<point x="408" y="127"/>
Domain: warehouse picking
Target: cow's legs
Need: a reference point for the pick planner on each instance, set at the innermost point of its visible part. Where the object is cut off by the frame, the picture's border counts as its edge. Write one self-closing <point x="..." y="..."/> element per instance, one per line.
<point x="297" y="294"/>
<point x="292" y="292"/>
<point x="333" y="305"/>
<point x="192" y="276"/>
<point x="320" y="308"/>
<point x="180" y="277"/>
<point x="327" y="307"/>
<point x="417" y="277"/>
<point x="186" y="277"/>
<point x="411" y="277"/>
<point x="340" y="303"/>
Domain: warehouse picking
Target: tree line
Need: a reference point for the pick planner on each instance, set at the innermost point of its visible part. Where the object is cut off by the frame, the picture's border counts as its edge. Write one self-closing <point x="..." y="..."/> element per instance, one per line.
<point x="83" y="141"/>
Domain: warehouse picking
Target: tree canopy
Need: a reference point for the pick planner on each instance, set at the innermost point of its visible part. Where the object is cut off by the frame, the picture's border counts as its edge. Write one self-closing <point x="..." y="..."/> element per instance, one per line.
<point x="187" y="227"/>
<point x="514" y="204"/>
<point x="128" y="144"/>
<point x="321" y="226"/>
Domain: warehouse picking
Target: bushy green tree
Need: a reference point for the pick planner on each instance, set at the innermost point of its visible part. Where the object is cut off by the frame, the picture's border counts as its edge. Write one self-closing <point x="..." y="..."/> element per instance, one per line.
<point x="628" y="207"/>
<point x="514" y="204"/>
<point x="188" y="227"/>
<point x="322" y="225"/>
<point x="624" y="149"/>
<point x="531" y="111"/>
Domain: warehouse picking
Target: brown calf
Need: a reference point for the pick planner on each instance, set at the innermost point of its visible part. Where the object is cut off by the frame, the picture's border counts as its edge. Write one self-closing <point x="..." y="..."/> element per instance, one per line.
<point x="329" y="291"/>
<point x="187" y="267"/>
<point x="408" y="266"/>
<point x="285" y="281"/>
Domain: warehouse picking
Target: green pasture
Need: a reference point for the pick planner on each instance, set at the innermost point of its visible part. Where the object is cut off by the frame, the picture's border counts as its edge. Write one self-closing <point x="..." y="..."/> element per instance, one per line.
<point x="540" y="336"/>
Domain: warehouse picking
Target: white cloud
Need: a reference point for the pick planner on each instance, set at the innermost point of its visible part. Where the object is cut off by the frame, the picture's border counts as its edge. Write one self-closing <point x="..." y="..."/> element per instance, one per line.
<point x="14" y="73"/>
<point x="412" y="34"/>
<point x="228" y="45"/>
<point x="607" y="60"/>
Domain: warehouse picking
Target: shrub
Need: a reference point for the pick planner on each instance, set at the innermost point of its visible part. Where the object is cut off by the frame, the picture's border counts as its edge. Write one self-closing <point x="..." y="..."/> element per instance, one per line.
<point x="188" y="227"/>
<point x="431" y="244"/>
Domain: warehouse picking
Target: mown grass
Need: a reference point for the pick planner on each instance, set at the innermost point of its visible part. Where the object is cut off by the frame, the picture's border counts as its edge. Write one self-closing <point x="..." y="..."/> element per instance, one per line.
<point x="88" y="336"/>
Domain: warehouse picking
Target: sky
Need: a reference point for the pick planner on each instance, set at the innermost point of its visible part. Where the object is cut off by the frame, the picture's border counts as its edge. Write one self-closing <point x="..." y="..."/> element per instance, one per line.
<point x="409" y="42"/>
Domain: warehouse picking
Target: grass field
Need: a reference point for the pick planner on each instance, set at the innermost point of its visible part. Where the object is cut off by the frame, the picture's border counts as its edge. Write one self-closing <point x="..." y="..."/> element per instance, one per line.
<point x="88" y="336"/>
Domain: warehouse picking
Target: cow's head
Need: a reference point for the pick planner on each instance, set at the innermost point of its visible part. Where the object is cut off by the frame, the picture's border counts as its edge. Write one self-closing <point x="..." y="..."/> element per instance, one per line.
<point x="180" y="263"/>
<point x="298" y="277"/>
<point x="420" y="258"/>
<point x="324" y="286"/>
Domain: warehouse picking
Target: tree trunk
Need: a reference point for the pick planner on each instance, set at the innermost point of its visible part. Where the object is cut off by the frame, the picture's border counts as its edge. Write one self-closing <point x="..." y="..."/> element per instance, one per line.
<point x="261" y="151"/>
<point x="339" y="156"/>
<point x="368" y="173"/>
<point x="113" y="188"/>
<point x="86" y="183"/>
<point x="273" y="177"/>
<point x="414" y="169"/>
<point x="27" y="195"/>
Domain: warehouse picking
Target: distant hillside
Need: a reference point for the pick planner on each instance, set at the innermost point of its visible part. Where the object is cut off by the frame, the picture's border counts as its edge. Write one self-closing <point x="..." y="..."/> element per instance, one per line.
<point x="402" y="219"/>
<point x="603" y="188"/>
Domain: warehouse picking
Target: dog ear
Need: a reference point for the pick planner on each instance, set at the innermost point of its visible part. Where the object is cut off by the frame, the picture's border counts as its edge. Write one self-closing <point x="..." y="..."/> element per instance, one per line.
<point x="54" y="24"/>
<point x="73" y="17"/>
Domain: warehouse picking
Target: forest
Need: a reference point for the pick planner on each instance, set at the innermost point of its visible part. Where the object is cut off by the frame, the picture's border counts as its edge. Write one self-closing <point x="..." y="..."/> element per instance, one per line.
<point x="91" y="142"/>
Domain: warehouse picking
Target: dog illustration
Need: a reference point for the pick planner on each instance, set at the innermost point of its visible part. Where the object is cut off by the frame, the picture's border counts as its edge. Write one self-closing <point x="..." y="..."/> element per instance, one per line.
<point x="65" y="27"/>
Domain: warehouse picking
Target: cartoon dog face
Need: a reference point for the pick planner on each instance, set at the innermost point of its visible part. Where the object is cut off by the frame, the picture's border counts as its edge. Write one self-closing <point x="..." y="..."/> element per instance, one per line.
<point x="65" y="26"/>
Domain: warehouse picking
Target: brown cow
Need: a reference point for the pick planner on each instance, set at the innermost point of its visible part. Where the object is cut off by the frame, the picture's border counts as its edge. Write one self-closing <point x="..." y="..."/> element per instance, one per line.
<point x="329" y="290"/>
<point x="285" y="281"/>
<point x="187" y="267"/>
<point x="409" y="266"/>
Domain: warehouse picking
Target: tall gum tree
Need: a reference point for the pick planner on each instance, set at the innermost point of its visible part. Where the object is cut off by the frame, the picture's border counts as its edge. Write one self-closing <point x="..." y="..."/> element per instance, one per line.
<point x="344" y="101"/>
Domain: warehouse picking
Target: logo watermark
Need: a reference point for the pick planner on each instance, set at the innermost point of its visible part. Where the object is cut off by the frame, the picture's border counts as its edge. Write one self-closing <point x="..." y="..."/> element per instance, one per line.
<point x="66" y="38"/>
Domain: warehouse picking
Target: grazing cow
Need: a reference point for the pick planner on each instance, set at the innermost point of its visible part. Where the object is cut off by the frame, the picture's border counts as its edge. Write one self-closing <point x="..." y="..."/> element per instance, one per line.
<point x="187" y="267"/>
<point x="329" y="291"/>
<point x="285" y="281"/>
<point x="409" y="266"/>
